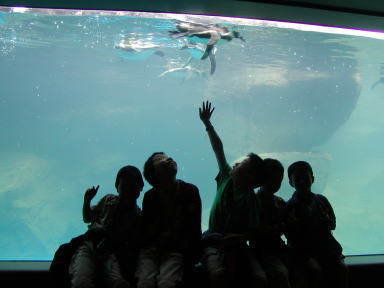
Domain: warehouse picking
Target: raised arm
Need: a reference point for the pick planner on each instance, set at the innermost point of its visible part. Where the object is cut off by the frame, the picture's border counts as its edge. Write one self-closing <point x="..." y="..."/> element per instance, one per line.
<point x="205" y="115"/>
<point x="88" y="196"/>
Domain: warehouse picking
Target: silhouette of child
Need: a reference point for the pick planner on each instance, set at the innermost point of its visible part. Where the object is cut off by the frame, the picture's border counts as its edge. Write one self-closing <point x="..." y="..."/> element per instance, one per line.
<point x="310" y="220"/>
<point x="171" y="224"/>
<point x="113" y="234"/>
<point x="234" y="213"/>
<point x="269" y="249"/>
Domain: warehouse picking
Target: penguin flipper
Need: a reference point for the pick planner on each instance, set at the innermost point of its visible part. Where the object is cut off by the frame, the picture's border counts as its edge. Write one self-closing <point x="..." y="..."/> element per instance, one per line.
<point x="212" y="58"/>
<point x="207" y="52"/>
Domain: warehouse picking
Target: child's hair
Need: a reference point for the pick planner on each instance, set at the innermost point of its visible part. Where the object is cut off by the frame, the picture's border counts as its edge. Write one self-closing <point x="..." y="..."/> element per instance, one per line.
<point x="257" y="165"/>
<point x="149" y="169"/>
<point x="130" y="172"/>
<point x="255" y="160"/>
<point x="299" y="165"/>
<point x="273" y="165"/>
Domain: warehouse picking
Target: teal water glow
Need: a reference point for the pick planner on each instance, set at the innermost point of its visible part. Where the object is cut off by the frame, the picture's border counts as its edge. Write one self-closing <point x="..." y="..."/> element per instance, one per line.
<point x="74" y="109"/>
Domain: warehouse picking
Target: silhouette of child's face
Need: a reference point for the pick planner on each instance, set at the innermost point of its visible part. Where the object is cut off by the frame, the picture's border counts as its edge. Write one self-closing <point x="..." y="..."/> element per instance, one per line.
<point x="244" y="170"/>
<point x="301" y="179"/>
<point x="164" y="165"/>
<point x="129" y="189"/>
<point x="273" y="180"/>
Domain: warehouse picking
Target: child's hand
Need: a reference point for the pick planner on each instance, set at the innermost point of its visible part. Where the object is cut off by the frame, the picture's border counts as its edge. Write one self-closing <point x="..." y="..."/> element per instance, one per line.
<point x="205" y="112"/>
<point x="90" y="193"/>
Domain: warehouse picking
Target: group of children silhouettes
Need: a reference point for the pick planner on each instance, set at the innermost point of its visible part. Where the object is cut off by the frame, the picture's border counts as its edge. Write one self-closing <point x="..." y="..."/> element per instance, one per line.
<point x="162" y="244"/>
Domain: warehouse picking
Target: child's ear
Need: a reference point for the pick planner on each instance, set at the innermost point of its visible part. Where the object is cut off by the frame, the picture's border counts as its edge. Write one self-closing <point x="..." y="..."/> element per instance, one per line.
<point x="290" y="183"/>
<point x="313" y="179"/>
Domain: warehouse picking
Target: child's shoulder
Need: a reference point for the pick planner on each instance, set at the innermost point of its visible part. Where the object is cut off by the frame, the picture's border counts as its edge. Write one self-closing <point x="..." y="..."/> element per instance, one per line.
<point x="149" y="193"/>
<point x="279" y="200"/>
<point x="322" y="198"/>
<point x="291" y="200"/>
<point x="109" y="197"/>
<point x="188" y="187"/>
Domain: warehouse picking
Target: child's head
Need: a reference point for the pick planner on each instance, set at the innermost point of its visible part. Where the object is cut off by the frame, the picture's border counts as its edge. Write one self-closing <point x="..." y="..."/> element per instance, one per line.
<point x="250" y="171"/>
<point x="159" y="167"/>
<point x="300" y="176"/>
<point x="274" y="174"/>
<point x="129" y="183"/>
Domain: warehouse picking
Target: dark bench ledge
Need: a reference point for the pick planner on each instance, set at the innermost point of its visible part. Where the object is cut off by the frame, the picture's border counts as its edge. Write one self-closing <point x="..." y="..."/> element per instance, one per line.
<point x="364" y="269"/>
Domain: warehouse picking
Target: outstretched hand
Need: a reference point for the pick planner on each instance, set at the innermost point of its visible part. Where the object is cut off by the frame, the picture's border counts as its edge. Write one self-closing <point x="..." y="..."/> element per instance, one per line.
<point x="90" y="193"/>
<point x="205" y="112"/>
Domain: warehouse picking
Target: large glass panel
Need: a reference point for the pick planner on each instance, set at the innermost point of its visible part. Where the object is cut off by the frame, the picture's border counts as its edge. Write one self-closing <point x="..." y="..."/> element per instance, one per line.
<point x="83" y="93"/>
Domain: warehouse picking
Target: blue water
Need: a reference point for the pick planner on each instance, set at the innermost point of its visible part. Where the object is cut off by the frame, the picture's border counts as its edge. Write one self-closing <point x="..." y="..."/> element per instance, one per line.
<point x="74" y="109"/>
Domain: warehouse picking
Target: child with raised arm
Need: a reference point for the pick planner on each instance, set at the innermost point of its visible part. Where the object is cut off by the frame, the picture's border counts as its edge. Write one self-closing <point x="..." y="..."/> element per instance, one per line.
<point x="310" y="221"/>
<point x="171" y="225"/>
<point x="113" y="237"/>
<point x="235" y="211"/>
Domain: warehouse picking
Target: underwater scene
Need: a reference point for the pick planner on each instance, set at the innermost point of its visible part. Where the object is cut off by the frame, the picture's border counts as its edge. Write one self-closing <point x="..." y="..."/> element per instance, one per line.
<point x="83" y="93"/>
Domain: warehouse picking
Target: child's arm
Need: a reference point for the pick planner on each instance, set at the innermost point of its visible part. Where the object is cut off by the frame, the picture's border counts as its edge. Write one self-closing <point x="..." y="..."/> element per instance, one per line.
<point x="330" y="217"/>
<point x="291" y="225"/>
<point x="194" y="228"/>
<point x="205" y="114"/>
<point x="149" y="212"/>
<point x="88" y="196"/>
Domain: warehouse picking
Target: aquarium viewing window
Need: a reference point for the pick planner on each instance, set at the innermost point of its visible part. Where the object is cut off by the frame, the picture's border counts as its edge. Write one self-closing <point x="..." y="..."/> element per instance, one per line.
<point x="83" y="93"/>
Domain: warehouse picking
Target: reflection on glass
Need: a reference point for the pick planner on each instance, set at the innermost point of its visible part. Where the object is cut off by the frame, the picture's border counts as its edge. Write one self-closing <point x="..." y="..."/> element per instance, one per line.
<point x="86" y="92"/>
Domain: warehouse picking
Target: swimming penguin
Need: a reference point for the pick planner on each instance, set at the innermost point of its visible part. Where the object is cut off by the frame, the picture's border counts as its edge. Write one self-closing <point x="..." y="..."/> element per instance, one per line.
<point x="139" y="46"/>
<point x="213" y="32"/>
<point x="186" y="71"/>
<point x="381" y="79"/>
<point x="197" y="50"/>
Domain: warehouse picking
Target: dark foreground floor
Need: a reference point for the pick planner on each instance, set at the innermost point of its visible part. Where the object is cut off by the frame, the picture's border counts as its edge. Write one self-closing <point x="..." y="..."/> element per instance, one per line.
<point x="364" y="271"/>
